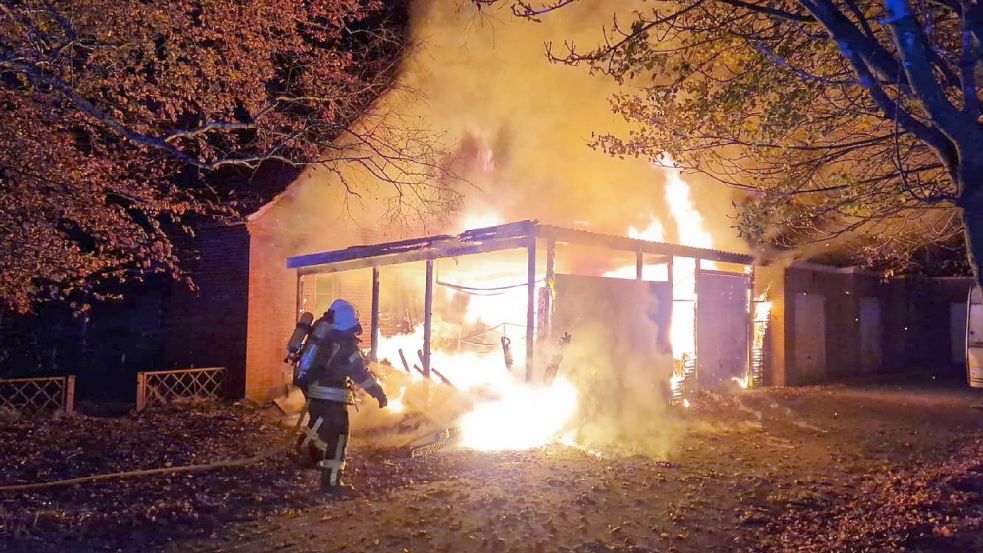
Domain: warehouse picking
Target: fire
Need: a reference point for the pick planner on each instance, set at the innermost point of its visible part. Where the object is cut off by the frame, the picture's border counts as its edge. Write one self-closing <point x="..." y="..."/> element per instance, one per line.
<point x="484" y="219"/>
<point x="679" y="196"/>
<point x="762" y="308"/>
<point x="505" y="411"/>
<point x="524" y="417"/>
<point x="653" y="233"/>
<point x="692" y="232"/>
<point x="396" y="405"/>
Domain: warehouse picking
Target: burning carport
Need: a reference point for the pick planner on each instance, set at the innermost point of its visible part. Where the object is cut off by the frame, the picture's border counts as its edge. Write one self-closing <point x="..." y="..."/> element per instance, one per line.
<point x="534" y="282"/>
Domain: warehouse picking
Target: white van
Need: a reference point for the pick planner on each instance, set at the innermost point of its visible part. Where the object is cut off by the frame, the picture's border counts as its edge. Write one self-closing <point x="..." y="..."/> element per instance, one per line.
<point x="974" y="338"/>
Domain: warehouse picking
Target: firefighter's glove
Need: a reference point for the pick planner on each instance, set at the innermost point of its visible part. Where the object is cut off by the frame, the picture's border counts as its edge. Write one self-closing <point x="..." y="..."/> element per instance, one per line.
<point x="376" y="391"/>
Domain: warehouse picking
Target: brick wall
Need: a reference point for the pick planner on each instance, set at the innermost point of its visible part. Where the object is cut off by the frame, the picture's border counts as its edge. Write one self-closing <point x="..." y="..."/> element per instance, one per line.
<point x="208" y="328"/>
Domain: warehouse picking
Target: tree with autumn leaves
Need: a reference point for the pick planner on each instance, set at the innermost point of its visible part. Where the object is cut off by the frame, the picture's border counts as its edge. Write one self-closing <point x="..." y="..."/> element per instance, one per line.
<point x="124" y="123"/>
<point x="856" y="120"/>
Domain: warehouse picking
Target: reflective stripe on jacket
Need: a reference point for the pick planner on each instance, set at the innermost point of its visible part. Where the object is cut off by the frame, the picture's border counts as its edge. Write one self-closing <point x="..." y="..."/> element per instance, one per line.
<point x="330" y="393"/>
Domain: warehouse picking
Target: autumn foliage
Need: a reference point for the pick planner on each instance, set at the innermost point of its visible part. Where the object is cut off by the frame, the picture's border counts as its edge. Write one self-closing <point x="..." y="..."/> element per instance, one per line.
<point x="125" y="122"/>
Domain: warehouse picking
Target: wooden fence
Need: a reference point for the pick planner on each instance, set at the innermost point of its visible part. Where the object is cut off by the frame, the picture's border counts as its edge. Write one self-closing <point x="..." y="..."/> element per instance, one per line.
<point x="164" y="386"/>
<point x="33" y="395"/>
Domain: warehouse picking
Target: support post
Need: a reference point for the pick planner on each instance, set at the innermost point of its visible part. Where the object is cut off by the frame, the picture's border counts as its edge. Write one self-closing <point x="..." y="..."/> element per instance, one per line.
<point x="141" y="391"/>
<point x="427" y="313"/>
<point x="374" y="330"/>
<point x="531" y="308"/>
<point x="70" y="394"/>
<point x="750" y="330"/>
<point x="669" y="271"/>
<point x="639" y="265"/>
<point x="299" y="304"/>
<point x="546" y="330"/>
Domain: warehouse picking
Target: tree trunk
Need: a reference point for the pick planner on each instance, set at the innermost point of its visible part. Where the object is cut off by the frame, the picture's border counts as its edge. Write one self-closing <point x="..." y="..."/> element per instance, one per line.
<point x="971" y="182"/>
<point x="973" y="228"/>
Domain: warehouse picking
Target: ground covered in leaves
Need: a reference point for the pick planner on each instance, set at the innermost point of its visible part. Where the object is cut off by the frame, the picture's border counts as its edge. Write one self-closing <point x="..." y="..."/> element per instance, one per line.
<point x="808" y="469"/>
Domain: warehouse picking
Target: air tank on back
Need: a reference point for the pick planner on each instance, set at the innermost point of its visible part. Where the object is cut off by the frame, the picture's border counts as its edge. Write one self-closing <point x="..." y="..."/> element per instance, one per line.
<point x="303" y="327"/>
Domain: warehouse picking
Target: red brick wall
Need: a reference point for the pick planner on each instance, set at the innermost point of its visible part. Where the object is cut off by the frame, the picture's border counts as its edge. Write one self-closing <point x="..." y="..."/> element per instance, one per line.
<point x="308" y="218"/>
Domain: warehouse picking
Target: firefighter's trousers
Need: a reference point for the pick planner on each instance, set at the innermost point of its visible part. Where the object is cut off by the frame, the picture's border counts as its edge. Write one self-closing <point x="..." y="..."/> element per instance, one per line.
<point x="326" y="439"/>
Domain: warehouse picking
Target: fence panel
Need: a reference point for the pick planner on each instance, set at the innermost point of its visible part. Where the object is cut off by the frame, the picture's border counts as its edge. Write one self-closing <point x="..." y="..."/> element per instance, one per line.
<point x="34" y="395"/>
<point x="163" y="386"/>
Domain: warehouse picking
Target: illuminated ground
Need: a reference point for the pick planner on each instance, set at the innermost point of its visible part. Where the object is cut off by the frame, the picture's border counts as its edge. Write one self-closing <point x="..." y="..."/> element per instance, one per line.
<point x="817" y="469"/>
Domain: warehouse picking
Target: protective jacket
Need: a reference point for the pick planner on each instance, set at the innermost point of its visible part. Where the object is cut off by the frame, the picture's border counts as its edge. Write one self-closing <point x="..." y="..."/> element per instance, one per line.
<point x="345" y="365"/>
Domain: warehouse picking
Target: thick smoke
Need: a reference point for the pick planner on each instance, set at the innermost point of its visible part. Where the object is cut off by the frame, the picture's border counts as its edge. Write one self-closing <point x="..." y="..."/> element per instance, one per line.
<point x="524" y="124"/>
<point x="623" y="401"/>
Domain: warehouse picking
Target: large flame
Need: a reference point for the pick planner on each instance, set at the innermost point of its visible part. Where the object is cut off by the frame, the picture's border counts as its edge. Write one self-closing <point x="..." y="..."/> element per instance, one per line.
<point x="524" y="417"/>
<point x="506" y="412"/>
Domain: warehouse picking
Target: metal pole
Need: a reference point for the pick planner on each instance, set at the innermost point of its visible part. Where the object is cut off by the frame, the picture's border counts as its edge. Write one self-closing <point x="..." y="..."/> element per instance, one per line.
<point x="427" y="312"/>
<point x="639" y="265"/>
<point x="531" y="308"/>
<point x="374" y="351"/>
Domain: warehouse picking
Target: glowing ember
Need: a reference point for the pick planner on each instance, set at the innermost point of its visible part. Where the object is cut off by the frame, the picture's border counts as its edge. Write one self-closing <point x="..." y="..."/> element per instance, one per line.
<point x="524" y="417"/>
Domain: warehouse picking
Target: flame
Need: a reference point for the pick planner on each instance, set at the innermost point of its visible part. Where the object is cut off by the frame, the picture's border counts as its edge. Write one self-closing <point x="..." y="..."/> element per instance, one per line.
<point x="762" y="308"/>
<point x="653" y="233"/>
<point x="692" y="232"/>
<point x="396" y="404"/>
<point x="679" y="196"/>
<point x="505" y="411"/>
<point x="524" y="417"/>
<point x="483" y="219"/>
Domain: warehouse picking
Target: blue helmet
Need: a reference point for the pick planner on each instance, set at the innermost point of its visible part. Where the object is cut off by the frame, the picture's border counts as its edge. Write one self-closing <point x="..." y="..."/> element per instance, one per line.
<point x="344" y="316"/>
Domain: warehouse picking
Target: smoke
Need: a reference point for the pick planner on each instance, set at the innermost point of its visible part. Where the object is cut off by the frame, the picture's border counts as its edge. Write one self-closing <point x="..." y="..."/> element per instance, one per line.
<point x="520" y="126"/>
<point x="513" y="126"/>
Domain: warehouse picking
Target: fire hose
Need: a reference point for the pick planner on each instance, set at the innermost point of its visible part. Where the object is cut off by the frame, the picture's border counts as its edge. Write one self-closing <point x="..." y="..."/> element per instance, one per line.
<point x="445" y="438"/>
<point x="229" y="463"/>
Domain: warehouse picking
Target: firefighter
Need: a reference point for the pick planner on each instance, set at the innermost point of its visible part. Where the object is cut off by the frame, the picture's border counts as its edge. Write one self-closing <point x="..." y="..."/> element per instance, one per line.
<point x="327" y="379"/>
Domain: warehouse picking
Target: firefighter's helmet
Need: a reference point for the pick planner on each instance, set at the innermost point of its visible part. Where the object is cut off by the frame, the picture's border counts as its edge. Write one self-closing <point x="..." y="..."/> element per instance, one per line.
<point x="343" y="315"/>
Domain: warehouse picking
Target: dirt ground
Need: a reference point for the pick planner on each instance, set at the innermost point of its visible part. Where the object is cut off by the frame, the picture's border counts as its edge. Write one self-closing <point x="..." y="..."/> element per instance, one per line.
<point x="872" y="467"/>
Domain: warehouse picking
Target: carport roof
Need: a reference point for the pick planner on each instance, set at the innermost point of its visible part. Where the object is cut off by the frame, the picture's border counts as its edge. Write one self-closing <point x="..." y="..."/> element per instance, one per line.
<point x="488" y="239"/>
